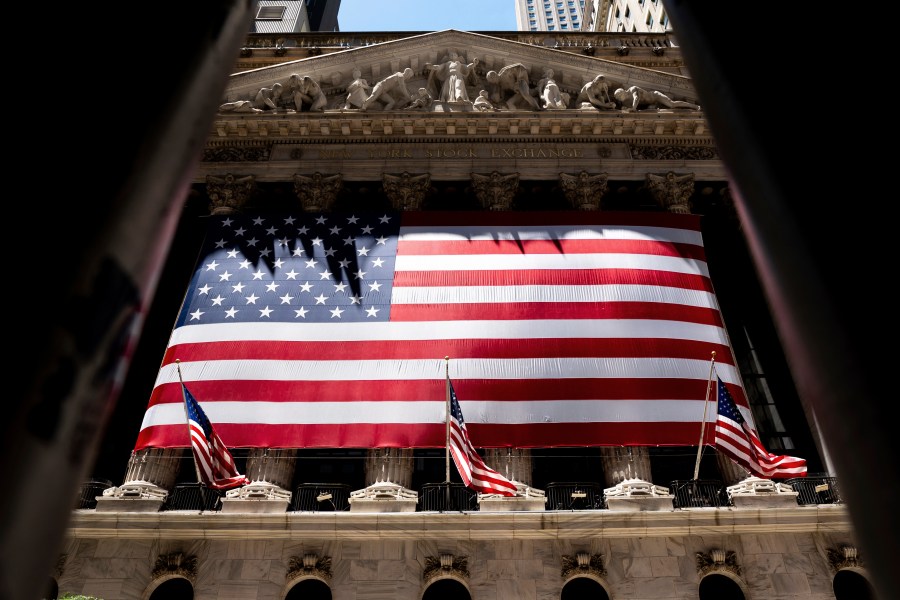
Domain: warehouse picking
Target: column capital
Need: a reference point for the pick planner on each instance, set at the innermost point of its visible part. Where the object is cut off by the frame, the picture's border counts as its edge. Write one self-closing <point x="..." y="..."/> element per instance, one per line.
<point x="672" y="191"/>
<point x="318" y="192"/>
<point x="583" y="190"/>
<point x="229" y="193"/>
<point x="405" y="191"/>
<point x="496" y="191"/>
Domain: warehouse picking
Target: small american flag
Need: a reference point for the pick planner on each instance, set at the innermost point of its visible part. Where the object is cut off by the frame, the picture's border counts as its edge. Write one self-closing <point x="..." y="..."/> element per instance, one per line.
<point x="215" y="465"/>
<point x="737" y="440"/>
<point x="475" y="474"/>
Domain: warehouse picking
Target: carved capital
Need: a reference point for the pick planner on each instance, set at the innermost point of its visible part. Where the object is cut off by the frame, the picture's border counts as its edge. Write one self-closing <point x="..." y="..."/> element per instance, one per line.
<point x="175" y="563"/>
<point x="582" y="563"/>
<point x="672" y="191"/>
<point x="405" y="191"/>
<point x="496" y="191"/>
<point x="843" y="557"/>
<point x="445" y="564"/>
<point x="717" y="560"/>
<point x="228" y="194"/>
<point x="583" y="190"/>
<point x="310" y="565"/>
<point x="318" y="192"/>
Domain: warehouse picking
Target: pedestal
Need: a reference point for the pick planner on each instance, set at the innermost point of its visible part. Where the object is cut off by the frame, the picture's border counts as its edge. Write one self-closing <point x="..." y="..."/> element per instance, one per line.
<point x="635" y="495"/>
<point x="754" y="492"/>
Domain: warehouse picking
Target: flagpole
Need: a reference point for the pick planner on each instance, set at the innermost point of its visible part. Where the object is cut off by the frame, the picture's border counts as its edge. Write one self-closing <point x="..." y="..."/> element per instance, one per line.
<point x="447" y="437"/>
<point x="187" y="420"/>
<point x="712" y="363"/>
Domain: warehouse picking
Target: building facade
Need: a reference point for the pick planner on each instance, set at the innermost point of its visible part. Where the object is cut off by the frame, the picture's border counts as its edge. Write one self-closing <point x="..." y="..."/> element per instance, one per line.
<point x="626" y="16"/>
<point x="366" y="523"/>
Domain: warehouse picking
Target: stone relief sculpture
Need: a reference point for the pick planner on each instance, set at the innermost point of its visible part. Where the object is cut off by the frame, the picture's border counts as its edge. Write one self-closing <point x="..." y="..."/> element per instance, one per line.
<point x="306" y="92"/>
<point x="390" y="90"/>
<point x="635" y="97"/>
<point x="452" y="73"/>
<point x="549" y="92"/>
<point x="357" y="91"/>
<point x="483" y="102"/>
<point x="422" y="100"/>
<point x="266" y="98"/>
<point x="595" y="94"/>
<point x="510" y="86"/>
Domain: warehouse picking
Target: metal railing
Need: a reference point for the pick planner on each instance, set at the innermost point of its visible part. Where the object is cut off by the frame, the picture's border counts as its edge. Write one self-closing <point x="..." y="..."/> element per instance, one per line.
<point x="696" y="493"/>
<point x="193" y="496"/>
<point x="321" y="497"/>
<point x="816" y="489"/>
<point x="577" y="495"/>
<point x="87" y="495"/>
<point x="443" y="497"/>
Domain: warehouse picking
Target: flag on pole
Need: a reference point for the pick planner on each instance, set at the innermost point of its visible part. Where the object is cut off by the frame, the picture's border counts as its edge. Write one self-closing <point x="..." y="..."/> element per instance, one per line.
<point x="737" y="440"/>
<point x="215" y="465"/>
<point x="475" y="474"/>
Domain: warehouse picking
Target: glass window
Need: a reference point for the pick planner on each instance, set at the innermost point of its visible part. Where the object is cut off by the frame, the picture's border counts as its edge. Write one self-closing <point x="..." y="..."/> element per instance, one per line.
<point x="532" y="22"/>
<point x="573" y="10"/>
<point x="649" y="20"/>
<point x="531" y="15"/>
<point x="627" y="12"/>
<point x="549" y="14"/>
<point x="563" y="26"/>
<point x="561" y="11"/>
<point x="550" y="27"/>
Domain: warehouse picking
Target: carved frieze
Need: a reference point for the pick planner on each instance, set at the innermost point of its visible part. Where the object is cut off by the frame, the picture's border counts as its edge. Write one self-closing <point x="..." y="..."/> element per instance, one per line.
<point x="445" y="564"/>
<point x="583" y="190"/>
<point x="175" y="563"/>
<point x="228" y="194"/>
<point x="717" y="560"/>
<point x="582" y="563"/>
<point x="317" y="192"/>
<point x="673" y="153"/>
<point x="496" y="191"/>
<point x="309" y="565"/>
<point x="672" y="191"/>
<point x="405" y="191"/>
<point x="233" y="154"/>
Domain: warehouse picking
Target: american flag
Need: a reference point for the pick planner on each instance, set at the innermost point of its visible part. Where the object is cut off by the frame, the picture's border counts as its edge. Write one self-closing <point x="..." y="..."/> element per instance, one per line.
<point x="215" y="465"/>
<point x="474" y="473"/>
<point x="329" y="330"/>
<point x="737" y="440"/>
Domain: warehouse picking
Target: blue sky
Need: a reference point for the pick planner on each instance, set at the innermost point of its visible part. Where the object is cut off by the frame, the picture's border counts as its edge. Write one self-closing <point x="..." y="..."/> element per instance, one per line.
<point x="427" y="15"/>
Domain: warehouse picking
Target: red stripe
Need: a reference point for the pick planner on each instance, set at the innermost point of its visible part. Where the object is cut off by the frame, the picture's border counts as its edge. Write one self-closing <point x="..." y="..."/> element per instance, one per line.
<point x="531" y="435"/>
<point x="568" y="246"/>
<point x="511" y="390"/>
<point x="553" y="277"/>
<point x="523" y="311"/>
<point x="426" y="349"/>
<point x="507" y="219"/>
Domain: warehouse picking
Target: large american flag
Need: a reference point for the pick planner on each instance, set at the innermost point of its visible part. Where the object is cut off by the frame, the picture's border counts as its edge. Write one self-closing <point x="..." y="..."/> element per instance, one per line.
<point x="330" y="330"/>
<point x="738" y="440"/>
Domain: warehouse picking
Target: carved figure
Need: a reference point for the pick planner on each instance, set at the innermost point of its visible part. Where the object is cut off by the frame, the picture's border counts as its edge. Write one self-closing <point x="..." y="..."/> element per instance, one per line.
<point x="549" y="92"/>
<point x="305" y="90"/>
<point x="266" y="98"/>
<point x="422" y="99"/>
<point x="357" y="91"/>
<point x="635" y="97"/>
<point x="483" y="102"/>
<point x="453" y="74"/>
<point x="510" y="85"/>
<point x="595" y="93"/>
<point x="390" y="90"/>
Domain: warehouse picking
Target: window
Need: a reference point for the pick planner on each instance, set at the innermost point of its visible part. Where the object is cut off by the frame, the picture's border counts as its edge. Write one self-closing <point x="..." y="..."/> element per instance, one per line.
<point x="531" y="15"/>
<point x="665" y="19"/>
<point x="549" y="14"/>
<point x="532" y="22"/>
<point x="270" y="13"/>
<point x="649" y="20"/>
<point x="571" y="2"/>
<point x="618" y="13"/>
<point x="562" y="12"/>
<point x="563" y="26"/>
<point x="627" y="12"/>
<point x="550" y="27"/>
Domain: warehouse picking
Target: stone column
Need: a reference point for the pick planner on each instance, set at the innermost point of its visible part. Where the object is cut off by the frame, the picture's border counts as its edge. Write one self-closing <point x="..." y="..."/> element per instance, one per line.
<point x="516" y="465"/>
<point x="496" y="191"/>
<point x="672" y="191"/>
<point x="627" y="471"/>
<point x="318" y="192"/>
<point x="388" y="477"/>
<point x="405" y="191"/>
<point x="583" y="190"/>
<point x="150" y="476"/>
<point x="730" y="471"/>
<point x="270" y="471"/>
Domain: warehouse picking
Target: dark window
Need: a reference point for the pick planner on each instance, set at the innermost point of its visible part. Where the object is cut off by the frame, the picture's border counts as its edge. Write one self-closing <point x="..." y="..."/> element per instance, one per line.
<point x="270" y="13"/>
<point x="850" y="585"/>
<point x="583" y="588"/>
<point x="309" y="589"/>
<point x="720" y="587"/>
<point x="174" y="589"/>
<point x="446" y="589"/>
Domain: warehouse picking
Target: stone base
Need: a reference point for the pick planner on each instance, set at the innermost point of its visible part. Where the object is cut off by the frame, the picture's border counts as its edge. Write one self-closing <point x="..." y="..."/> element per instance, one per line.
<point x="129" y="505"/>
<point x="380" y="505"/>
<point x="779" y="500"/>
<point x="510" y="504"/>
<point x="256" y="506"/>
<point x="638" y="504"/>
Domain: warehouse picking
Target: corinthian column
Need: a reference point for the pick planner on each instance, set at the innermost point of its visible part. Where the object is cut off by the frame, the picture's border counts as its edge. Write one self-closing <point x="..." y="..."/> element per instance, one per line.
<point x="672" y="191"/>
<point x="496" y="191"/>
<point x="627" y="472"/>
<point x="270" y="471"/>
<point x="405" y="191"/>
<point x="388" y="477"/>
<point x="150" y="476"/>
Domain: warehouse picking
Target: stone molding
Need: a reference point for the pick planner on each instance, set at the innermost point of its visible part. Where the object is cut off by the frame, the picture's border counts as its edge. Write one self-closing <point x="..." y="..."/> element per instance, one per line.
<point x="443" y="566"/>
<point x="717" y="559"/>
<point x="582" y="563"/>
<point x="176" y="564"/>
<point x="309" y="565"/>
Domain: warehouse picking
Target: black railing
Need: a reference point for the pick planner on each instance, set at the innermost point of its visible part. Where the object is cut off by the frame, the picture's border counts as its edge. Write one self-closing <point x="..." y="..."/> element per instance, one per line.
<point x="321" y="497"/>
<point x="574" y="496"/>
<point x="816" y="489"/>
<point x="193" y="496"/>
<point x="696" y="493"/>
<point x="87" y="495"/>
<point x="438" y="497"/>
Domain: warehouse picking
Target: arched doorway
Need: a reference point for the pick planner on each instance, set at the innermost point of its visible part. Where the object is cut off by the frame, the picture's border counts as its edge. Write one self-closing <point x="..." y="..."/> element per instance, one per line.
<point x="716" y="586"/>
<point x="309" y="589"/>
<point x="583" y="588"/>
<point x="446" y="589"/>
<point x="852" y="585"/>
<point x="176" y="588"/>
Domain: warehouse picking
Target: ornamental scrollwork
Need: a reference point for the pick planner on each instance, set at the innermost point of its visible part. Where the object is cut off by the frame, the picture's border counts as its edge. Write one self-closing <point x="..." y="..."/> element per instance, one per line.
<point x="843" y="557"/>
<point x="175" y="563"/>
<point x="582" y="563"/>
<point x="717" y="560"/>
<point x="309" y="565"/>
<point x="445" y="564"/>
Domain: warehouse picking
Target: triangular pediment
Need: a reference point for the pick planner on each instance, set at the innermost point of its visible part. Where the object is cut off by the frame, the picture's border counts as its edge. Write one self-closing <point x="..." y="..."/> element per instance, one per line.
<point x="333" y="72"/>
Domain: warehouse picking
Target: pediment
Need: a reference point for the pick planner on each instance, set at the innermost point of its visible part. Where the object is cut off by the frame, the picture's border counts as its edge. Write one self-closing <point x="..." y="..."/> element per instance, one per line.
<point x="333" y="72"/>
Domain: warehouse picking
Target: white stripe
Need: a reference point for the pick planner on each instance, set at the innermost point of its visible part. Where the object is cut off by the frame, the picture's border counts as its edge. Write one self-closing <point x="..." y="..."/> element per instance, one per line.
<point x="552" y="293"/>
<point x="550" y="232"/>
<point x="530" y="262"/>
<point x="511" y="413"/>
<point x="463" y="368"/>
<point x="448" y="330"/>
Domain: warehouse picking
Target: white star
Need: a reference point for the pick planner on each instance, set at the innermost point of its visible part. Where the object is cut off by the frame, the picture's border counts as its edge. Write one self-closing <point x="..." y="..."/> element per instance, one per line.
<point x="204" y="290"/>
<point x="278" y="263"/>
<point x="227" y="222"/>
<point x="271" y="231"/>
<point x="340" y="287"/>
<point x="289" y="221"/>
<point x="298" y="251"/>
<point x="316" y="241"/>
<point x="311" y="263"/>
<point x="245" y="264"/>
<point x="360" y="274"/>
<point x="320" y="299"/>
<point x="336" y="312"/>
<point x="251" y="299"/>
<point x="303" y="230"/>
<point x="367" y="229"/>
<point x="344" y="263"/>
<point x="355" y="299"/>
<point x="258" y="221"/>
<point x="212" y="266"/>
<point x="238" y="287"/>
<point x="335" y="230"/>
<point x="381" y="240"/>
<point x="324" y="275"/>
<point x="264" y="252"/>
<point x="292" y="274"/>
<point x="329" y="252"/>
<point x="240" y="231"/>
<point x="384" y="219"/>
<point x="221" y="243"/>
<point x="352" y="219"/>
<point x="252" y="242"/>
<point x="301" y="312"/>
<point x="320" y="221"/>
<point x="348" y="241"/>
<point x="196" y="315"/>
<point x="233" y="253"/>
<point x="272" y="287"/>
<point x="372" y="311"/>
<point x="229" y="314"/>
<point x="258" y="275"/>
<point x="306" y="287"/>
<point x="363" y="251"/>
<point x="283" y="241"/>
<point x="225" y="276"/>
<point x="264" y="312"/>
<point x="375" y="287"/>
<point x="286" y="299"/>
<point x="217" y="301"/>
<point x="378" y="262"/>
